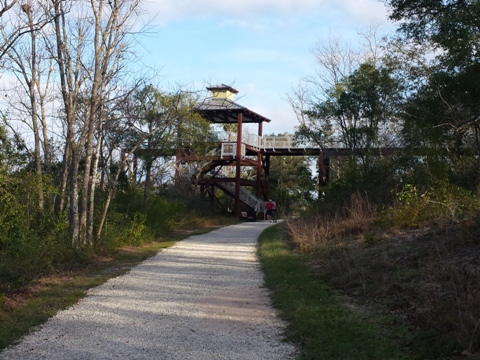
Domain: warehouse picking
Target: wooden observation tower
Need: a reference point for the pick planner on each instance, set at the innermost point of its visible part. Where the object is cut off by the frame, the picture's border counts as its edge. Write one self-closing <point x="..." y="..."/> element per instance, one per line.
<point x="233" y="151"/>
<point x="241" y="154"/>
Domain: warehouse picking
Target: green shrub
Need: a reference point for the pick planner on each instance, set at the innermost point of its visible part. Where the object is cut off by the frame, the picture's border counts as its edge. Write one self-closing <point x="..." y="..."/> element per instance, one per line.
<point x="163" y="215"/>
<point x="32" y="242"/>
<point x="442" y="202"/>
<point x="35" y="252"/>
<point x="122" y="229"/>
<point x="159" y="216"/>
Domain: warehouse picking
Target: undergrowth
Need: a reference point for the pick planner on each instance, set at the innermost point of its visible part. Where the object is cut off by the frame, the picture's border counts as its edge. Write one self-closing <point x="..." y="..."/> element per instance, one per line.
<point x="415" y="263"/>
<point x="318" y="320"/>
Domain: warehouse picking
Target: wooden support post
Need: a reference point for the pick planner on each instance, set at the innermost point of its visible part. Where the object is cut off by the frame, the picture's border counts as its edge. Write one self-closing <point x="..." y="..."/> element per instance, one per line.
<point x="326" y="165"/>
<point x="267" y="176"/>
<point x="238" y="164"/>
<point x="259" y="162"/>
<point x="212" y="198"/>
<point x="259" y="175"/>
<point x="323" y="171"/>
<point x="321" y="183"/>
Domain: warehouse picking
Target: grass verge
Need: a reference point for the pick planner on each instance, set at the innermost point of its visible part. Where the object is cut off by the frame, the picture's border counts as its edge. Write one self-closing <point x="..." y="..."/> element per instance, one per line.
<point x="322" y="326"/>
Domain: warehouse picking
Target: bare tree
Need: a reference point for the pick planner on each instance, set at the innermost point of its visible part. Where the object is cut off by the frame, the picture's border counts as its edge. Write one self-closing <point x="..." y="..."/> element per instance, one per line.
<point x="14" y="27"/>
<point x="26" y="61"/>
<point x="112" y="22"/>
<point x="68" y="45"/>
<point x="6" y="5"/>
<point x="336" y="60"/>
<point x="90" y="47"/>
<point x="319" y="94"/>
<point x="374" y="42"/>
<point x="12" y="34"/>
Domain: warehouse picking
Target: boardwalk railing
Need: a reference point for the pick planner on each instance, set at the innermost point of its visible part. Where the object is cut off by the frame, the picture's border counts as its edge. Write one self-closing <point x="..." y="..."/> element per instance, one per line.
<point x="258" y="142"/>
<point x="277" y="142"/>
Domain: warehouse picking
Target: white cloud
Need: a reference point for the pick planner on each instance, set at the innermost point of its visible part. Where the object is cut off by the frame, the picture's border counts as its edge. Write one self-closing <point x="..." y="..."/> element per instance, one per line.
<point x="262" y="15"/>
<point x="246" y="24"/>
<point x="168" y="10"/>
<point x="261" y="24"/>
<point x="364" y="10"/>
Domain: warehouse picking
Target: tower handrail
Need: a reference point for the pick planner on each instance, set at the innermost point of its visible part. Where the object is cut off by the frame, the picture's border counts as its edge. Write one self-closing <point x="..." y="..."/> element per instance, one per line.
<point x="257" y="204"/>
<point x="258" y="142"/>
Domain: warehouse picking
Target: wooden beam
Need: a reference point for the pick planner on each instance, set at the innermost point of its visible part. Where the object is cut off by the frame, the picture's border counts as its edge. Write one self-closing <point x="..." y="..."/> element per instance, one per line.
<point x="259" y="164"/>
<point x="267" y="176"/>
<point x="238" y="163"/>
<point x="321" y="183"/>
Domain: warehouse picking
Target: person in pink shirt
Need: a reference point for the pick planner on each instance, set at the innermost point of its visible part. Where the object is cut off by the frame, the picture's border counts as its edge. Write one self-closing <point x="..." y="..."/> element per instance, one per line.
<point x="270" y="206"/>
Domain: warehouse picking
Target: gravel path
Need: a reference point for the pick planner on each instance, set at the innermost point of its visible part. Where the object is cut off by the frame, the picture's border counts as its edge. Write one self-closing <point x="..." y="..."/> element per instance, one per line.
<point x="200" y="299"/>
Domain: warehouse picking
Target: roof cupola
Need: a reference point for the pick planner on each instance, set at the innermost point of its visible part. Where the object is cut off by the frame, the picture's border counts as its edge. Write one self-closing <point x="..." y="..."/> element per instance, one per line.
<point x="222" y="91"/>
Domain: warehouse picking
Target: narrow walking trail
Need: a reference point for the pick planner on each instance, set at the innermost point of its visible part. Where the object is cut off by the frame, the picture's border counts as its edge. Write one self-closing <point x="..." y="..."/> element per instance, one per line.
<point x="200" y="299"/>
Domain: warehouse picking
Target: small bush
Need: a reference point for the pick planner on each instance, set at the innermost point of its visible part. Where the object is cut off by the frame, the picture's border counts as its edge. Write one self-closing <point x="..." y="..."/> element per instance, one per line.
<point x="32" y="242"/>
<point x="36" y="252"/>
<point x="163" y="215"/>
<point x="122" y="229"/>
<point x="442" y="202"/>
<point x="309" y="234"/>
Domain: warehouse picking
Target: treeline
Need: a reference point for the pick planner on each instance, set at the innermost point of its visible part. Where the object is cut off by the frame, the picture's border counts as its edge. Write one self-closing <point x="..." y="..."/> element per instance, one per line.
<point x="81" y="136"/>
<point x="416" y="91"/>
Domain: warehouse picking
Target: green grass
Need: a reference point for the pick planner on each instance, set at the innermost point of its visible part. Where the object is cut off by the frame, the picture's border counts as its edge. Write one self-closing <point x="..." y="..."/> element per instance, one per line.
<point x="318" y="321"/>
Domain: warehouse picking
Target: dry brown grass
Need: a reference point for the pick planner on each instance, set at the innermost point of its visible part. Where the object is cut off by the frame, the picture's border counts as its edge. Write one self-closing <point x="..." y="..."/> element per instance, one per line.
<point x="451" y="295"/>
<point x="324" y="231"/>
<point x="424" y="281"/>
<point x="194" y="222"/>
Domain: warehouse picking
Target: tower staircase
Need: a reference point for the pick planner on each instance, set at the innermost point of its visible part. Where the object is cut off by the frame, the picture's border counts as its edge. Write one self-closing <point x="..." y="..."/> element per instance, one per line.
<point x="256" y="204"/>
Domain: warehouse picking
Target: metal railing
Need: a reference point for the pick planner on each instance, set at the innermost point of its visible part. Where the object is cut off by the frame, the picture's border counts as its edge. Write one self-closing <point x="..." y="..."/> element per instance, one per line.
<point x="229" y="138"/>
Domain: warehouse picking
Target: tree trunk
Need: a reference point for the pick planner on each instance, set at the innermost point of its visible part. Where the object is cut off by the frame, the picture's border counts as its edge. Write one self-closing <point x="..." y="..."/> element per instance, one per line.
<point x="33" y="110"/>
<point x="112" y="186"/>
<point x="67" y="159"/>
<point x="93" y="183"/>
<point x="73" y="203"/>
<point x="70" y="82"/>
<point x="87" y="173"/>
<point x="148" y="170"/>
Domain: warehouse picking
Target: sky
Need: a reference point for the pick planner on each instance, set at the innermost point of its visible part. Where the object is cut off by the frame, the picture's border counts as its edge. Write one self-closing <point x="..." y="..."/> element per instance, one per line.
<point x="263" y="48"/>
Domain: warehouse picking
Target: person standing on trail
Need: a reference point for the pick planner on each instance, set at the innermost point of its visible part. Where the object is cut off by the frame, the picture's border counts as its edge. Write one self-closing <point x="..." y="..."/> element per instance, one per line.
<point x="270" y="206"/>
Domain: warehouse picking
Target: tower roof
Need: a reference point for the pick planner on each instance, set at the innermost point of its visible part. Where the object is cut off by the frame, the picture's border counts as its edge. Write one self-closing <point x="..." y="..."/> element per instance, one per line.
<point x="225" y="111"/>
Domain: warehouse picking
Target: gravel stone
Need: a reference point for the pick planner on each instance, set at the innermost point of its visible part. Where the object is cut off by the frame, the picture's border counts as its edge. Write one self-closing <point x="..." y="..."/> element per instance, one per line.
<point x="201" y="299"/>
